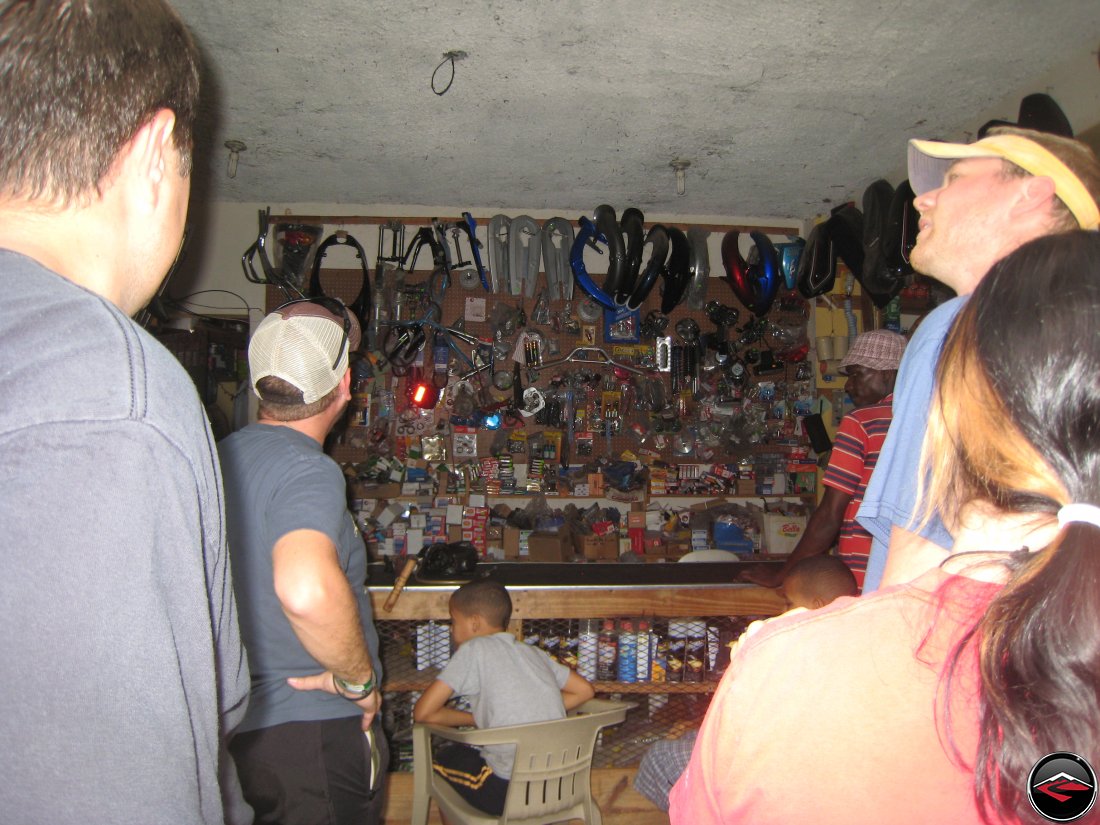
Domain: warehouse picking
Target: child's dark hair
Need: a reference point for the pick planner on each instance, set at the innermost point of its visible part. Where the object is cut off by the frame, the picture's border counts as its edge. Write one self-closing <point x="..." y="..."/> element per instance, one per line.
<point x="487" y="598"/>
<point x="824" y="576"/>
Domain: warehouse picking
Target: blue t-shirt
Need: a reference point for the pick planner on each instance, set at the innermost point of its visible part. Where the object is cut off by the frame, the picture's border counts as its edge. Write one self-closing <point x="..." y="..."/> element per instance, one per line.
<point x="278" y="480"/>
<point x="891" y="496"/>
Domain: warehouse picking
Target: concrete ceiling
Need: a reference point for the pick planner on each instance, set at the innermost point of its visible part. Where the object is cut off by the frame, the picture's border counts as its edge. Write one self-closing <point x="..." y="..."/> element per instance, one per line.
<point x="782" y="108"/>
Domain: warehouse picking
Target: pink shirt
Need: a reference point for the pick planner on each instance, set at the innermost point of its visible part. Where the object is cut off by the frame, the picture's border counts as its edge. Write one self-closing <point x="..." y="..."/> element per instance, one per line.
<point x="828" y="717"/>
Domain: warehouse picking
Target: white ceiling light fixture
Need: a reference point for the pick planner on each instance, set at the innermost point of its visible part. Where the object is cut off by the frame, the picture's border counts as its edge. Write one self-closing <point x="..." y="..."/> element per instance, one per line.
<point x="235" y="148"/>
<point x="681" y="182"/>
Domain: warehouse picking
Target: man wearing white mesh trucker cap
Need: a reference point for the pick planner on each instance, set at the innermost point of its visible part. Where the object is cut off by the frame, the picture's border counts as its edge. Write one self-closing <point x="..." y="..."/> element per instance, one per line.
<point x="299" y="569"/>
<point x="977" y="203"/>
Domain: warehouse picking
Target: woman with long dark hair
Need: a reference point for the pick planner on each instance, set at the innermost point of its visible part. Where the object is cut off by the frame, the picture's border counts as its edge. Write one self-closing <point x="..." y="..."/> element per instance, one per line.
<point x="934" y="701"/>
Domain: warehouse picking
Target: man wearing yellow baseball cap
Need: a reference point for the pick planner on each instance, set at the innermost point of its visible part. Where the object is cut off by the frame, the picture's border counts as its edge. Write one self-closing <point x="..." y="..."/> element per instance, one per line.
<point x="977" y="203"/>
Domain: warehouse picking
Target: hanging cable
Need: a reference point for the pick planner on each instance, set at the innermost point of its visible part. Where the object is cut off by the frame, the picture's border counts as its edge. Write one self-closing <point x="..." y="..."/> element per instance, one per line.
<point x="448" y="57"/>
<point x="180" y="302"/>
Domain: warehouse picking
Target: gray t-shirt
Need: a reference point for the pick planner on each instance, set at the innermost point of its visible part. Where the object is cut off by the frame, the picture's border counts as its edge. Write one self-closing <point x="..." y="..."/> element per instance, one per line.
<point x="123" y="667"/>
<point x="278" y="480"/>
<point x="506" y="682"/>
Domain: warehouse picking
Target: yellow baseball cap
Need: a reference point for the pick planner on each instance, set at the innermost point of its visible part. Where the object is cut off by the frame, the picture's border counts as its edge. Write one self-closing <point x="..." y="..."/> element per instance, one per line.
<point x="929" y="161"/>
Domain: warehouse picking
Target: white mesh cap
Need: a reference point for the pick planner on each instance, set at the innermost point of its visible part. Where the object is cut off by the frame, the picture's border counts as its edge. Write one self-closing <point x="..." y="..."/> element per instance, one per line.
<point x="299" y="343"/>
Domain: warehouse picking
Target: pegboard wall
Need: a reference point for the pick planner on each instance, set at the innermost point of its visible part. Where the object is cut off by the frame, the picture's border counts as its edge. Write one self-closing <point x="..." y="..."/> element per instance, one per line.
<point x="669" y="401"/>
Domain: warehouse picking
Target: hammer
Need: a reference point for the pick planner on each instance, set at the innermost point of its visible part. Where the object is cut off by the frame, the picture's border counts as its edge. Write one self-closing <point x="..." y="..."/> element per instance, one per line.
<point x="399" y="583"/>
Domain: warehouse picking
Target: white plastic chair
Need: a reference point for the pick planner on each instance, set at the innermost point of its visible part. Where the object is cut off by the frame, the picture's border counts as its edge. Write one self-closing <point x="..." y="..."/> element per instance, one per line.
<point x="551" y="777"/>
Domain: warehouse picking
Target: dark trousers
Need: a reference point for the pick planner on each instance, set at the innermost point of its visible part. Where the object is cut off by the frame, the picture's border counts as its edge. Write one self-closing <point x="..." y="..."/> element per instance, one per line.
<point x="463" y="767"/>
<point x="312" y="773"/>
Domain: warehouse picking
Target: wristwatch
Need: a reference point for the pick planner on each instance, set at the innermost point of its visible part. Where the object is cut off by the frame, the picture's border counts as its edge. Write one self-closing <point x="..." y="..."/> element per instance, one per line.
<point x="352" y="691"/>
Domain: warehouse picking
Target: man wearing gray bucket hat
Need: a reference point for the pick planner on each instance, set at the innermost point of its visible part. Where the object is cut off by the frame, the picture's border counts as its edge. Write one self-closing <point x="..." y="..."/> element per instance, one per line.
<point x="977" y="202"/>
<point x="299" y="568"/>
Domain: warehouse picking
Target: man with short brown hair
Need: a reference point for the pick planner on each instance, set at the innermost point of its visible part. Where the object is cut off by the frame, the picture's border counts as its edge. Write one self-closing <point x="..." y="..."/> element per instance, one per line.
<point x="124" y="671"/>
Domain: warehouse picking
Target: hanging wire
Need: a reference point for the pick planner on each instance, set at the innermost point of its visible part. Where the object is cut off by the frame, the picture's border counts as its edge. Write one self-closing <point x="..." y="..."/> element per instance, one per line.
<point x="180" y="303"/>
<point x="448" y="57"/>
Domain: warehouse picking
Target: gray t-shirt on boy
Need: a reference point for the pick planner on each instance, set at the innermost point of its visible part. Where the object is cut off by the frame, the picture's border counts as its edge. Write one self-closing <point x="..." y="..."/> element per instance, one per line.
<point x="506" y="682"/>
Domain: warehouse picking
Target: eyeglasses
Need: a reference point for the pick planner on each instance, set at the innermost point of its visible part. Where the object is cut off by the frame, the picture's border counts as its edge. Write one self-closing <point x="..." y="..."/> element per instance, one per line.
<point x="336" y="307"/>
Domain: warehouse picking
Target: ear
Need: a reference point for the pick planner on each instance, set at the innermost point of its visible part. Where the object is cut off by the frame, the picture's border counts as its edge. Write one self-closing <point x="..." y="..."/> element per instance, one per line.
<point x="149" y="156"/>
<point x="343" y="393"/>
<point x="1036" y="196"/>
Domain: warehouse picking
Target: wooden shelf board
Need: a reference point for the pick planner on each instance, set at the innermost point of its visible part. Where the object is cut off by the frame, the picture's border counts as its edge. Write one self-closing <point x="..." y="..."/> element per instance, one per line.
<point x="596" y="602"/>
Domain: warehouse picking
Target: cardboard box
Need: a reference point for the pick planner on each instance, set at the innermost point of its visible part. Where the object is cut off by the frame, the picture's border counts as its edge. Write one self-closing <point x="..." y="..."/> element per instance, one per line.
<point x="377" y="491"/>
<point x="550" y="546"/>
<point x="515" y="542"/>
<point x="781" y="532"/>
<point x="629" y="496"/>
<point x="597" y="548"/>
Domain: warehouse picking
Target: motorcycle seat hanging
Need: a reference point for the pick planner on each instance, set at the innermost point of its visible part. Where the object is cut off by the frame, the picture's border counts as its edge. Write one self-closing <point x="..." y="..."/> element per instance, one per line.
<point x="361" y="306"/>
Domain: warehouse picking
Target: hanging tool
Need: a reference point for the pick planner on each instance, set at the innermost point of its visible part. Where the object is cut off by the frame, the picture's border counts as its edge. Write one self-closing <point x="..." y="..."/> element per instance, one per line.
<point x="790" y="254"/>
<point x="361" y="306"/>
<point x="631" y="224"/>
<point x="524" y="254"/>
<point x="296" y="246"/>
<point x="604" y="360"/>
<point x="677" y="275"/>
<point x="424" y="235"/>
<point x="604" y="218"/>
<point x="388" y="276"/>
<point x="464" y="270"/>
<point x="469" y="226"/>
<point x="517" y="386"/>
<point x="440" y="230"/>
<point x="499" y="230"/>
<point x="404" y="339"/>
<point x="755" y="284"/>
<point x="588" y="236"/>
<point x="657" y="241"/>
<point x="698" y="267"/>
<point x="397" y="247"/>
<point x="557" y="240"/>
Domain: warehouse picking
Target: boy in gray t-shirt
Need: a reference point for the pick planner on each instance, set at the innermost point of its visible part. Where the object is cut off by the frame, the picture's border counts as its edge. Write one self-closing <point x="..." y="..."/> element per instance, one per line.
<point x="505" y="681"/>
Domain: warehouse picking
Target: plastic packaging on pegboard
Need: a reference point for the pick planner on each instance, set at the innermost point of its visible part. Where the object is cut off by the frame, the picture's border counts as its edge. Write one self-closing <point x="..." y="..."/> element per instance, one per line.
<point x="433" y="645"/>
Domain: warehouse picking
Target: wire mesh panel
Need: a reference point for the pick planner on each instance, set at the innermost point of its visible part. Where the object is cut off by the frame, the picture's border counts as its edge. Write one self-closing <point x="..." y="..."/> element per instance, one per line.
<point x="673" y="663"/>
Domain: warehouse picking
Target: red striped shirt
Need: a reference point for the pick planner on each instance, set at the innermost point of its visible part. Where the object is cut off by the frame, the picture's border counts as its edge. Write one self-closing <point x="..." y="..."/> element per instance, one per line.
<point x="856" y="447"/>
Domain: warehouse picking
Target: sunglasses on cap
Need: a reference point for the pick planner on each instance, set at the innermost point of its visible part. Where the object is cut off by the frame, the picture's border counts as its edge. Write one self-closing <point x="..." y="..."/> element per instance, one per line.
<point x="333" y="305"/>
